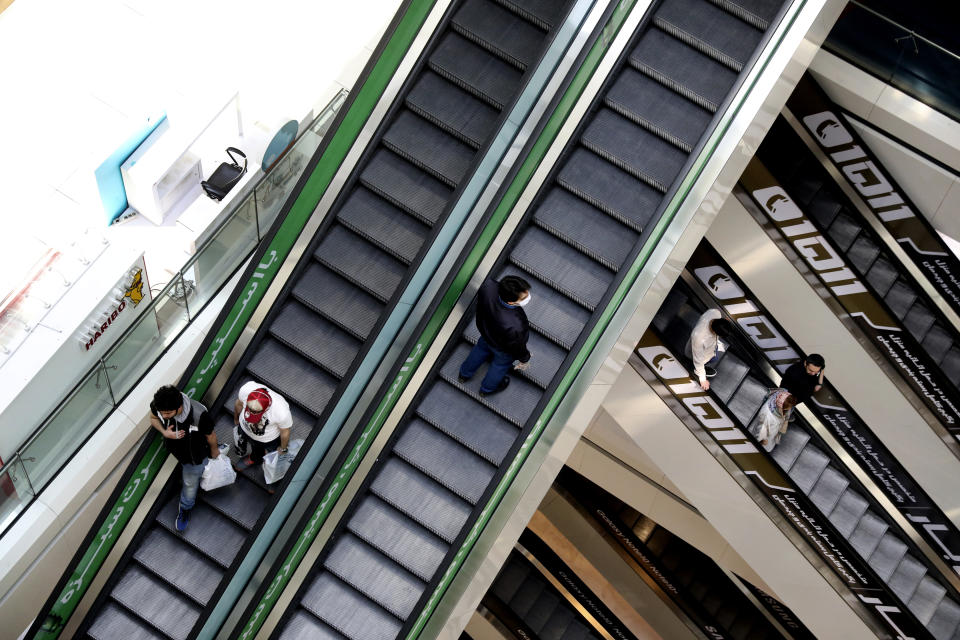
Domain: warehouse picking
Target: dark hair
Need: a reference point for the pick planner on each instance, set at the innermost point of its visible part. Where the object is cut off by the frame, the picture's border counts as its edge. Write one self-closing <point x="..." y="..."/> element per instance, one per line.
<point x="721" y="327"/>
<point x="510" y="287"/>
<point x="789" y="402"/>
<point x="816" y="360"/>
<point x="167" y="398"/>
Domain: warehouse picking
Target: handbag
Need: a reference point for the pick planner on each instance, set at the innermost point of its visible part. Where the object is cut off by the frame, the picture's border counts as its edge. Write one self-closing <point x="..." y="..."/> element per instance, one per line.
<point x="275" y="464"/>
<point x="241" y="444"/>
<point x="218" y="472"/>
<point x="225" y="176"/>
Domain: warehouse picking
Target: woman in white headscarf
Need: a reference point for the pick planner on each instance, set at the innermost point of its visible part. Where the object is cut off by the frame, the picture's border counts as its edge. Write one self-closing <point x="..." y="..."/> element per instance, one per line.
<point x="773" y="418"/>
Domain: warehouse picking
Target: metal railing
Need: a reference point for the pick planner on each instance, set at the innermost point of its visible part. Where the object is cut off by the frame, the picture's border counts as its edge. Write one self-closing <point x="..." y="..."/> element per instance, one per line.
<point x="71" y="422"/>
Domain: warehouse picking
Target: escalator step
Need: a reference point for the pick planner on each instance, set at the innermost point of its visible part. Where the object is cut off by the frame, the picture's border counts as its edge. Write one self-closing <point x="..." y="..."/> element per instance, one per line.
<point x="742" y="626"/>
<point x="543" y="367"/>
<point x="866" y="535"/>
<point x="515" y="403"/>
<point x="609" y="188"/>
<point x="208" y="531"/>
<point x="375" y="575"/>
<point x="383" y="224"/>
<point x="445" y="406"/>
<point x="360" y="262"/>
<point x="339" y="301"/>
<point x="829" y="489"/>
<point x="476" y="71"/>
<point x="945" y="621"/>
<point x="907" y="577"/>
<point x="882" y="275"/>
<point x="848" y="512"/>
<point x="544" y="13"/>
<point x="303" y="626"/>
<point x="243" y="502"/>
<point x="179" y="564"/>
<point x="726" y="615"/>
<point x="577" y="631"/>
<point x="919" y="320"/>
<point x="552" y="314"/>
<point x="588" y="229"/>
<point x="418" y="193"/>
<point x="314" y="337"/>
<point x="279" y="367"/>
<point x="731" y="371"/>
<point x="428" y="147"/>
<point x="657" y="108"/>
<point x="509" y="580"/>
<point x="452" y="109"/>
<point x="843" y="231"/>
<point x="887" y="556"/>
<point x="499" y="31"/>
<point x="712" y="603"/>
<point x="747" y="399"/>
<point x="862" y="253"/>
<point x="710" y="30"/>
<point x="633" y="149"/>
<point x="156" y="602"/>
<point x="900" y="297"/>
<point x="116" y="622"/>
<point x="937" y="343"/>
<point x="526" y="596"/>
<point x="445" y="460"/>
<point x="680" y="67"/>
<point x="563" y="267"/>
<point x="348" y="611"/>
<point x="807" y="469"/>
<point x="558" y="623"/>
<point x="396" y="536"/>
<point x="759" y="13"/>
<point x="420" y="498"/>
<point x="541" y="611"/>
<point x="951" y="365"/>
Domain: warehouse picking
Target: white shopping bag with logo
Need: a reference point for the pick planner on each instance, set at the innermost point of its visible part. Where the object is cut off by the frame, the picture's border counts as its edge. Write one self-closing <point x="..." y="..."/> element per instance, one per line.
<point x="276" y="464"/>
<point x="218" y="472"/>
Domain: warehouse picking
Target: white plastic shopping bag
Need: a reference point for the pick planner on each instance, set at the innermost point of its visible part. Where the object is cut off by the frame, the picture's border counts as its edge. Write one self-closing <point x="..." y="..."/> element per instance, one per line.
<point x="218" y="472"/>
<point x="275" y="464"/>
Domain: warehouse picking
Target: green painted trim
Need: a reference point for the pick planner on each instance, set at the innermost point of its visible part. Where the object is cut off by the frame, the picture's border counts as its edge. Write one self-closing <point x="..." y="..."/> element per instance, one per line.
<point x="252" y="293"/>
<point x="432" y="329"/>
<point x="586" y="350"/>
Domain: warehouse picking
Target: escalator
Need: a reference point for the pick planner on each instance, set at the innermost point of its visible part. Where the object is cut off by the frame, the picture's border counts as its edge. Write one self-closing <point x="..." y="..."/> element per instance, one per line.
<point x="883" y="555"/>
<point x="336" y="300"/>
<point x="415" y="507"/>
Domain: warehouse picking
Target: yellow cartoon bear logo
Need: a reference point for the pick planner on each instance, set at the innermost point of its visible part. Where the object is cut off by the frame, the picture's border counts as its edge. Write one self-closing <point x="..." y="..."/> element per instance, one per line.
<point x="135" y="290"/>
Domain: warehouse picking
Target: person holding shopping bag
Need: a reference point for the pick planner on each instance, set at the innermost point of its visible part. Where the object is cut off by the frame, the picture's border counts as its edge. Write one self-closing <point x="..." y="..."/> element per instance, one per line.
<point x="264" y="418"/>
<point x="772" y="420"/>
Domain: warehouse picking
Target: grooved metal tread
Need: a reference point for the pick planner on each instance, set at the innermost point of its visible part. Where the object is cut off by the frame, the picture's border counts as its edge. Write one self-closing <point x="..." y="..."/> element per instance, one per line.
<point x="156" y="602"/>
<point x="360" y="262"/>
<point x="313" y="336"/>
<point x="298" y="379"/>
<point x="543" y="13"/>
<point x="348" y="611"/>
<point x="329" y="294"/>
<point x="429" y="147"/>
<point x="418" y="193"/>
<point x="451" y="108"/>
<point x="710" y="29"/>
<point x="210" y="532"/>
<point x="474" y="70"/>
<point x="590" y="230"/>
<point x="379" y="222"/>
<point x="497" y="30"/>
<point x="177" y="563"/>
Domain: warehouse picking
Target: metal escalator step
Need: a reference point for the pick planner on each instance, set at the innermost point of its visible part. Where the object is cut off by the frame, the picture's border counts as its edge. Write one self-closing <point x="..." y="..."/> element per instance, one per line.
<point x="209" y="532"/>
<point x="114" y="622"/>
<point x="919" y="320"/>
<point x="543" y="13"/>
<point x="452" y="109"/>
<point x="731" y="371"/>
<point x="526" y="596"/>
<point x="577" y="631"/>
<point x="179" y="564"/>
<point x="328" y="293"/>
<point x="243" y="502"/>
<point x="510" y="579"/>
<point x="747" y="400"/>
<point x="906" y="578"/>
<point x="558" y="623"/>
<point x="683" y="69"/>
<point x="670" y="307"/>
<point x="398" y="537"/>
<point x="486" y="433"/>
<point x="375" y="575"/>
<point x="843" y="231"/>
<point x="633" y="149"/>
<point x="418" y="193"/>
<point x="383" y="224"/>
<point x="945" y="620"/>
<point x="709" y="29"/>
<point x="515" y="403"/>
<point x="807" y="469"/>
<point x="609" y="188"/>
<point x="848" y="512"/>
<point x="475" y="70"/>
<point x="585" y="227"/>
<point x="712" y="602"/>
<point x="420" y="498"/>
<point x="428" y="147"/>
<point x="882" y="275"/>
<point x="887" y="556"/>
<point x="499" y="31"/>
<point x="156" y="602"/>
<point x="759" y="13"/>
<point x="866" y="535"/>
<point x="444" y="459"/>
<point x="293" y="376"/>
<point x="303" y="626"/>
<point x="862" y="253"/>
<point x="937" y="342"/>
<point x="554" y="315"/>
<point x="360" y="262"/>
<point x="900" y="298"/>
<point x="348" y="611"/>
<point x="315" y="337"/>
<point x="546" y="361"/>
<point x="726" y="615"/>
<point x="541" y="611"/>
<point x="828" y="490"/>
<point x="657" y="108"/>
<point x="561" y="266"/>
<point x="950" y="365"/>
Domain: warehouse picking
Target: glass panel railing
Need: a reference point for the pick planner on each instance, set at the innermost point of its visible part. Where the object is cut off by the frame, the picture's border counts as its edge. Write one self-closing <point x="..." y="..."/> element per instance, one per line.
<point x="899" y="56"/>
<point x="70" y="422"/>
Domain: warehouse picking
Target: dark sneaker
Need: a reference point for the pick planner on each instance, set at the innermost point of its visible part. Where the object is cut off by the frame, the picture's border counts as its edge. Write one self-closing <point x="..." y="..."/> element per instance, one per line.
<point x="500" y="387"/>
<point x="183" y="517"/>
<point x="710" y="371"/>
<point x="462" y="379"/>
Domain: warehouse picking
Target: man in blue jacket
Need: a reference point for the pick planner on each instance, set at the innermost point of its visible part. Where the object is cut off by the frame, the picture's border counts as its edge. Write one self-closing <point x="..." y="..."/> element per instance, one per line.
<point x="504" y="331"/>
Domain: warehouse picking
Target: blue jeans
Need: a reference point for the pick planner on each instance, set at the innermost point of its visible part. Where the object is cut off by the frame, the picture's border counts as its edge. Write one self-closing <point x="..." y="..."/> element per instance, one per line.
<point x="191" y="484"/>
<point x="481" y="352"/>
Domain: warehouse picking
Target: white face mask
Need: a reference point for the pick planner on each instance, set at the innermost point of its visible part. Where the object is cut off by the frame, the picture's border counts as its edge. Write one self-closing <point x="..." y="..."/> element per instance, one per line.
<point x="525" y="301"/>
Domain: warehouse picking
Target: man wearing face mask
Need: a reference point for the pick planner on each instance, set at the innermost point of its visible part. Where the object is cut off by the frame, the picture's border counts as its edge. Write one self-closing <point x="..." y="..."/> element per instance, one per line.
<point x="504" y="332"/>
<point x="803" y="379"/>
